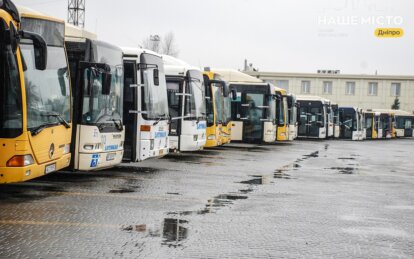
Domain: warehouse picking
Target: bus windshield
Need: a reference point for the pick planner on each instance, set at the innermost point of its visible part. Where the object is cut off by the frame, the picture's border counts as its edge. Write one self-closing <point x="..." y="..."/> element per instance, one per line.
<point x="97" y="107"/>
<point x="48" y="91"/>
<point x="281" y="111"/>
<point x="227" y="110"/>
<point x="10" y="92"/>
<point x="195" y="107"/>
<point x="155" y="93"/>
<point x="218" y="102"/>
<point x="272" y="108"/>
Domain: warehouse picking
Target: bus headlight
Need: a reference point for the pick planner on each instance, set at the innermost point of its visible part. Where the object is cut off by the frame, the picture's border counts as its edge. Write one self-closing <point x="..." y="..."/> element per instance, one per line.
<point x="88" y="147"/>
<point x="66" y="149"/>
<point x="211" y="137"/>
<point x="20" y="161"/>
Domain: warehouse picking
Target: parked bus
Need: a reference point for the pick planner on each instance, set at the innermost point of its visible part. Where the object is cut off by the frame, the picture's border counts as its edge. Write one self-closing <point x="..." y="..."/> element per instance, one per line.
<point x="187" y="107"/>
<point x="404" y="124"/>
<point x="282" y="132"/>
<point x="215" y="91"/>
<point x="254" y="109"/>
<point x="373" y="124"/>
<point x="388" y="121"/>
<point x="35" y="125"/>
<point x="351" y="123"/>
<point x="145" y="112"/>
<point x="335" y="115"/>
<point x="312" y="117"/>
<point x="292" y="116"/>
<point x="97" y="86"/>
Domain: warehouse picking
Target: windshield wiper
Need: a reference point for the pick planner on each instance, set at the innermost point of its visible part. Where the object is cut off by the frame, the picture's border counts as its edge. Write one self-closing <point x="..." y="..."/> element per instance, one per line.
<point x="40" y="128"/>
<point x="118" y="123"/>
<point x="59" y="117"/>
<point x="162" y="116"/>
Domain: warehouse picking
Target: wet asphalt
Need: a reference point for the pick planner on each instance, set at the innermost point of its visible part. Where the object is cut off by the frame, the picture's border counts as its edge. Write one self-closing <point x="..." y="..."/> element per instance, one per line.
<point x="306" y="199"/>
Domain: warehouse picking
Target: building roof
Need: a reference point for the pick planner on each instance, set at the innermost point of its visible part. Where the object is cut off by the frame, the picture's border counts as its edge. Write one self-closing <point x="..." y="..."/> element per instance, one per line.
<point x="330" y="76"/>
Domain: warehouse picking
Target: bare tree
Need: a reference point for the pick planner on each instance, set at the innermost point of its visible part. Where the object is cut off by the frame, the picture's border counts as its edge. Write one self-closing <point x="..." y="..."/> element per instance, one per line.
<point x="169" y="47"/>
<point x="164" y="45"/>
<point x="152" y="43"/>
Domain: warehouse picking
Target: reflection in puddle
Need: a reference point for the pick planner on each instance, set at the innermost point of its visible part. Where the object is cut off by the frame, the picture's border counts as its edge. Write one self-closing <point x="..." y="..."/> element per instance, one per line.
<point x="344" y="170"/>
<point x="174" y="231"/>
<point x="314" y="154"/>
<point x="122" y="190"/>
<point x="280" y="174"/>
<point x="257" y="180"/>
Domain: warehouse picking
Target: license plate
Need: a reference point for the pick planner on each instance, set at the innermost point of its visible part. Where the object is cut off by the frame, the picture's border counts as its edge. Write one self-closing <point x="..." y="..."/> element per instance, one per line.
<point x="162" y="152"/>
<point x="50" y="168"/>
<point x="110" y="156"/>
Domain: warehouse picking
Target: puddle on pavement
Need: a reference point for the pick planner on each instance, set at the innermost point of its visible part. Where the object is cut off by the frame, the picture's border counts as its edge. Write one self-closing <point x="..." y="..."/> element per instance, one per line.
<point x="122" y="190"/>
<point x="257" y="180"/>
<point x="28" y="192"/>
<point x="326" y="146"/>
<point x="344" y="170"/>
<point x="133" y="169"/>
<point x="346" y="158"/>
<point x="311" y="155"/>
<point x="173" y="193"/>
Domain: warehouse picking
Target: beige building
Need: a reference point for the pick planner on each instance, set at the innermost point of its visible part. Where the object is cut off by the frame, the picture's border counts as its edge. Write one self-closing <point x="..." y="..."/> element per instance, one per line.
<point x="365" y="91"/>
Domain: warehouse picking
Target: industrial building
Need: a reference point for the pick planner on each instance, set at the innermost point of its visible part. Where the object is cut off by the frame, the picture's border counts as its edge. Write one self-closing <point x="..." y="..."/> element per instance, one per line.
<point x="365" y="91"/>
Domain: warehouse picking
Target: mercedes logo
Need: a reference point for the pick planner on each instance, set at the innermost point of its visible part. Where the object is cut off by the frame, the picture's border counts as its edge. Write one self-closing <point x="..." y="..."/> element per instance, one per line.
<point x="51" y="151"/>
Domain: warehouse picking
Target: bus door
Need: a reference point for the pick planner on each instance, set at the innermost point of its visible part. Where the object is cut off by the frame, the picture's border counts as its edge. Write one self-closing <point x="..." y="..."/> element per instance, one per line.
<point x="252" y="113"/>
<point x="310" y="120"/>
<point x="130" y="105"/>
<point x="175" y="100"/>
<point x="408" y="128"/>
<point x="378" y="126"/>
<point x="348" y="122"/>
<point x="368" y="124"/>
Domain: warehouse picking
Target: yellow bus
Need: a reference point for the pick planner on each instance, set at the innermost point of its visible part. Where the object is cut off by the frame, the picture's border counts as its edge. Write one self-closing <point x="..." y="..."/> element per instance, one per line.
<point x="214" y="110"/>
<point x="282" y="133"/>
<point x="35" y="113"/>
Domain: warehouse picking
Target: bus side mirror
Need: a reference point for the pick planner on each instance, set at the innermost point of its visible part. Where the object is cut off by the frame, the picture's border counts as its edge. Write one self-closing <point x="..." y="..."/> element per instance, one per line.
<point x="40" y="48"/>
<point x="106" y="83"/>
<point x="234" y="94"/>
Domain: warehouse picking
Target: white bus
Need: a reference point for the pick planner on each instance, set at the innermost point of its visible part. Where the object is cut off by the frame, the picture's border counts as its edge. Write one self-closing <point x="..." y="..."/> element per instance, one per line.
<point x="96" y="71"/>
<point x="187" y="105"/>
<point x="146" y="115"/>
<point x="312" y="117"/>
<point x="352" y="123"/>
<point x="254" y="110"/>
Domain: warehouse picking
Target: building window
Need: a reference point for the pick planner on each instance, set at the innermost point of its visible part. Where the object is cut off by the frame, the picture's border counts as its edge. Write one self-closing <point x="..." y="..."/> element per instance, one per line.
<point x="327" y="87"/>
<point x="373" y="88"/>
<point x="284" y="84"/>
<point x="350" y="88"/>
<point x="395" y="89"/>
<point x="306" y="85"/>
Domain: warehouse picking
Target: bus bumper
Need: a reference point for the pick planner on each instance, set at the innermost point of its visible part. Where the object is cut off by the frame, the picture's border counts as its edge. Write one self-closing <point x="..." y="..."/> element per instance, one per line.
<point x="22" y="174"/>
<point x="98" y="161"/>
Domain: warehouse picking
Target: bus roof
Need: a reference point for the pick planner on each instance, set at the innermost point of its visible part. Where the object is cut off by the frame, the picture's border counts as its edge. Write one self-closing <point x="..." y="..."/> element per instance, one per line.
<point x="177" y="67"/>
<point x="234" y="76"/>
<point x="311" y="98"/>
<point x="395" y="112"/>
<point x="75" y="33"/>
<point x="136" y="52"/>
<point x="30" y="13"/>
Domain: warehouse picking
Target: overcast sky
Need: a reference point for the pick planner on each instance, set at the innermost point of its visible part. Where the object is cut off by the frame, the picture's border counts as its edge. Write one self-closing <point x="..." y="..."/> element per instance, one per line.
<point x="274" y="35"/>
